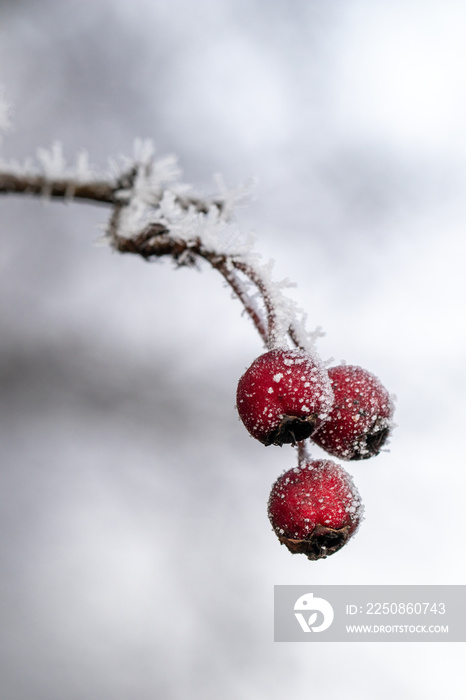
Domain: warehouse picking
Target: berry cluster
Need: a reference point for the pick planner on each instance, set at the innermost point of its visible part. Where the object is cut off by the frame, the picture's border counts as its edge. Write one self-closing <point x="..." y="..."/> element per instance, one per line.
<point x="287" y="396"/>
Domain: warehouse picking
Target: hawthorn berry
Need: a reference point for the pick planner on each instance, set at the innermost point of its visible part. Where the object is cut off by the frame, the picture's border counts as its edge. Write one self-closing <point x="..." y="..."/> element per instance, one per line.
<point x="315" y="508"/>
<point x="361" y="418"/>
<point x="284" y="396"/>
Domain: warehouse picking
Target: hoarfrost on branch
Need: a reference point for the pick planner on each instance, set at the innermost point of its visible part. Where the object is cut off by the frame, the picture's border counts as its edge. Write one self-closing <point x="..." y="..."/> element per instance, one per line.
<point x="155" y="214"/>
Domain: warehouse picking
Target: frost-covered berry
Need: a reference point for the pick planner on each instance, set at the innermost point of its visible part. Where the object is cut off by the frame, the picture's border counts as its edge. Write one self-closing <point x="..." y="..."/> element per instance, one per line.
<point x="315" y="508"/>
<point x="284" y="396"/>
<point x="361" y="418"/>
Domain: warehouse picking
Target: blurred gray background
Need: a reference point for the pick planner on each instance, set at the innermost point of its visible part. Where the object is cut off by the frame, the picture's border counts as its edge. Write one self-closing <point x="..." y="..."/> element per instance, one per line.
<point x="136" y="557"/>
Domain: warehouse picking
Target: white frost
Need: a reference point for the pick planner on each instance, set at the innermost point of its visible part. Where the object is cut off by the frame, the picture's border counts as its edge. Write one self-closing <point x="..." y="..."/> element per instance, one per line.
<point x="52" y="161"/>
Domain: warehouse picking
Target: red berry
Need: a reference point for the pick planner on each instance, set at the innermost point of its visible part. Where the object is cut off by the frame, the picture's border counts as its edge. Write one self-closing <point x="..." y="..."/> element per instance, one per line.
<point x="284" y="396"/>
<point x="361" y="418"/>
<point x="315" y="508"/>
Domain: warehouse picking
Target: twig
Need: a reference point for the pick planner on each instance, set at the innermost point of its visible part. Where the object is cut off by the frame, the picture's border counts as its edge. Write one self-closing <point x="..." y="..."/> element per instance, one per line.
<point x="93" y="191"/>
<point x="157" y="239"/>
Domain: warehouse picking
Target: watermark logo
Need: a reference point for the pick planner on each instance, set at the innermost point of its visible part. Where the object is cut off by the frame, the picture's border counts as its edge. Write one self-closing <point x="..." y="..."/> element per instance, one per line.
<point x="365" y="613"/>
<point x="308" y="604"/>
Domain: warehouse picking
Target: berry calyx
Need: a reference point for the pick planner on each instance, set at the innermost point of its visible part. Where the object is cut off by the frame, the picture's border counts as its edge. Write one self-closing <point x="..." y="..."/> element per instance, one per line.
<point x="360" y="421"/>
<point x="315" y="508"/>
<point x="284" y="396"/>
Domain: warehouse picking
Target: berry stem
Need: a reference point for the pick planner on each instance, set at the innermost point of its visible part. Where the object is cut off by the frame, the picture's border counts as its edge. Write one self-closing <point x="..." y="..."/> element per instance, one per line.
<point x="220" y="263"/>
<point x="303" y="454"/>
<point x="271" y="336"/>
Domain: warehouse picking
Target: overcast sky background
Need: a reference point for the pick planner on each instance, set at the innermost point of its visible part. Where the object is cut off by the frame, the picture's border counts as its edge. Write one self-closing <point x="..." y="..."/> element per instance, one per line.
<point x="136" y="556"/>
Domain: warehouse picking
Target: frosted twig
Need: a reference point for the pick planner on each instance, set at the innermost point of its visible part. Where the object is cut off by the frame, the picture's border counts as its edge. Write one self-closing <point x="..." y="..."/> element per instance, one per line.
<point x="94" y="191"/>
<point x="154" y="215"/>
